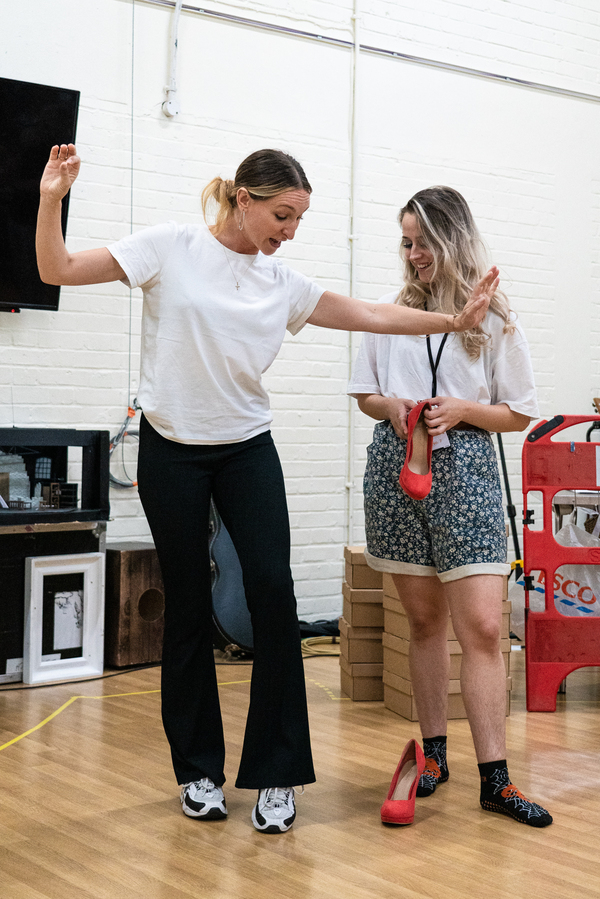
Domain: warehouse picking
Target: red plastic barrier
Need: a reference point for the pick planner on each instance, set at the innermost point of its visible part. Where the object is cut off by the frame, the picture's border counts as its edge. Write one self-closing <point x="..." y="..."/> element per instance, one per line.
<point x="555" y="644"/>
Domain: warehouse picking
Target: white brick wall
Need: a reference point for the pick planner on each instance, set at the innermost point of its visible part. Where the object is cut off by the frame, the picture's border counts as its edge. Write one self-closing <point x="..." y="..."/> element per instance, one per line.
<point x="525" y="160"/>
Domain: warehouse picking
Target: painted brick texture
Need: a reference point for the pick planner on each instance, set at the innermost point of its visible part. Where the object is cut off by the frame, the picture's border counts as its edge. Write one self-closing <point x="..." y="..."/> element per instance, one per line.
<point x="523" y="160"/>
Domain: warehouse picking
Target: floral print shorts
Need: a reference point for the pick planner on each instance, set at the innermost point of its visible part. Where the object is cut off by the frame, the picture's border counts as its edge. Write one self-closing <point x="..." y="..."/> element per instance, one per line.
<point x="456" y="531"/>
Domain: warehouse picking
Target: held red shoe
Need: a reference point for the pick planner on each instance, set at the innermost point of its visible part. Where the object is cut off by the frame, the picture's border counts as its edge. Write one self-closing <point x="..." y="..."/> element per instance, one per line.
<point x="399" y="807"/>
<point x="415" y="477"/>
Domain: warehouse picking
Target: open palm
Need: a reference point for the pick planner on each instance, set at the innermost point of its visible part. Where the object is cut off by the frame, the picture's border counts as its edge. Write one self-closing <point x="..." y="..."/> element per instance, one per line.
<point x="479" y="301"/>
<point x="61" y="171"/>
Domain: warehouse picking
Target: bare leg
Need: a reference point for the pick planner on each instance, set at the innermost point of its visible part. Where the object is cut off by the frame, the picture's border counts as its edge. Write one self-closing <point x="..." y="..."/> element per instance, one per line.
<point x="475" y="605"/>
<point x="426" y="607"/>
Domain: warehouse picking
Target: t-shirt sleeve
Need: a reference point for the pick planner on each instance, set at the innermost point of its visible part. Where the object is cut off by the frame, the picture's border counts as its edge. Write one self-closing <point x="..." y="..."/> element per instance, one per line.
<point x="142" y="255"/>
<point x="304" y="295"/>
<point x="364" y="377"/>
<point x="512" y="376"/>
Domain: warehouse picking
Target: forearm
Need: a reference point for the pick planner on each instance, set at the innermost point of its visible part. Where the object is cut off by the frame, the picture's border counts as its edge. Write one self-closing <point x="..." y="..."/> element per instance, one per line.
<point x="336" y="311"/>
<point x="384" y="318"/>
<point x="499" y="418"/>
<point x="52" y="255"/>
<point x="375" y="406"/>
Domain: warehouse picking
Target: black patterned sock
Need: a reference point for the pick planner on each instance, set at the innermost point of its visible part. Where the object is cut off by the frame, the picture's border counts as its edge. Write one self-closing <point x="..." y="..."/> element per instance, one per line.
<point x="436" y="767"/>
<point x="498" y="794"/>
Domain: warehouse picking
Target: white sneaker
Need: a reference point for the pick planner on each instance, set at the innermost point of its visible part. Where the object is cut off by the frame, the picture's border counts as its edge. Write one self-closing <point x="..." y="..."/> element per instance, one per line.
<point x="275" y="810"/>
<point x="201" y="799"/>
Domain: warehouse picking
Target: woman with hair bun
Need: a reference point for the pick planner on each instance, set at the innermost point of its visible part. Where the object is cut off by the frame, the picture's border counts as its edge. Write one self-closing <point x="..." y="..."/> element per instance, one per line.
<point x="440" y="532"/>
<point x="216" y="308"/>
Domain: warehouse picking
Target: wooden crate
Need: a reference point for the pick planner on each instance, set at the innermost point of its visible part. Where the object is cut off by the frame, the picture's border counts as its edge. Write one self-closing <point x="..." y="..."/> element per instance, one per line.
<point x="134" y="605"/>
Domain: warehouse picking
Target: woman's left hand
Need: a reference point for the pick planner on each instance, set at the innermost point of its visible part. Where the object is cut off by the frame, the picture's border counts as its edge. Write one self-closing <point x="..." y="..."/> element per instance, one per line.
<point x="445" y="413"/>
<point x="477" y="306"/>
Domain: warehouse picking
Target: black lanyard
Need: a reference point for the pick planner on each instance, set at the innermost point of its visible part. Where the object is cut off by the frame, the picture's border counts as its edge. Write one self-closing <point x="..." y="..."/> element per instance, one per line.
<point x="435" y="365"/>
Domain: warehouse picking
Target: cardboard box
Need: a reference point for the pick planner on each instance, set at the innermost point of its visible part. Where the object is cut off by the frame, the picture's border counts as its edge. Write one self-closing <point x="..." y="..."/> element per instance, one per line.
<point x="395" y="655"/>
<point x="405" y="686"/>
<point x="363" y="608"/>
<point x="361" y="682"/>
<point x="396" y="620"/>
<point x="403" y="704"/>
<point x="358" y="573"/>
<point x="389" y="588"/>
<point x="360" y="644"/>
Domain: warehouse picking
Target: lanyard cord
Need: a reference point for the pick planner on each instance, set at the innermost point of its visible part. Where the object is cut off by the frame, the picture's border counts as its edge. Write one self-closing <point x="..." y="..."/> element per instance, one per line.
<point x="435" y="365"/>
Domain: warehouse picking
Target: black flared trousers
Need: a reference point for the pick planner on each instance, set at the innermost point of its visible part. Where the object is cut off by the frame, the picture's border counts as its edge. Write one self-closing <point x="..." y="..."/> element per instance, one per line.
<point x="176" y="482"/>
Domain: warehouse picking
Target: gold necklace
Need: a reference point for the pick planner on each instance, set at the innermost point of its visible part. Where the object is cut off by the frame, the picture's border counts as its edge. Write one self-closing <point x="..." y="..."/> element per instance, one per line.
<point x="237" y="280"/>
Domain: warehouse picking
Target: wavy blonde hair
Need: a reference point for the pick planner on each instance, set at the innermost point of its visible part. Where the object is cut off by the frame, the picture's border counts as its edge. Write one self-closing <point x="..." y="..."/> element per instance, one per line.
<point x="460" y="259"/>
<point x="264" y="174"/>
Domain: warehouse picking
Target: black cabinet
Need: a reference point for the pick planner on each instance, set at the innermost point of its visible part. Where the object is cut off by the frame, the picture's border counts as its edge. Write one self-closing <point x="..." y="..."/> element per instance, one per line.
<point x="44" y="454"/>
<point x="41" y="457"/>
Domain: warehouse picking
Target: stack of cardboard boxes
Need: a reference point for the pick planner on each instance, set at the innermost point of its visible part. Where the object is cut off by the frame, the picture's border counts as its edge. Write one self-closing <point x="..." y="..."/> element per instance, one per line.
<point x="375" y="639"/>
<point x="397" y="684"/>
<point x="361" y="629"/>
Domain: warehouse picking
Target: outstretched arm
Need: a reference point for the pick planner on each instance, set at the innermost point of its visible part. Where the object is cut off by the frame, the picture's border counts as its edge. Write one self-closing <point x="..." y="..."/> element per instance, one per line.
<point x="345" y="314"/>
<point x="56" y="265"/>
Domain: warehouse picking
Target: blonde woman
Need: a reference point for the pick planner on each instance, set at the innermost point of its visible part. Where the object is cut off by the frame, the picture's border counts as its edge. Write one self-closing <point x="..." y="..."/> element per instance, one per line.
<point x="447" y="551"/>
<point x="216" y="308"/>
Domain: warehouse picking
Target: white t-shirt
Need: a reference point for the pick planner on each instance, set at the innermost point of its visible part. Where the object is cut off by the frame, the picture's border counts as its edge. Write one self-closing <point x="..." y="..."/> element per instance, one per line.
<point x="205" y="344"/>
<point x="398" y="366"/>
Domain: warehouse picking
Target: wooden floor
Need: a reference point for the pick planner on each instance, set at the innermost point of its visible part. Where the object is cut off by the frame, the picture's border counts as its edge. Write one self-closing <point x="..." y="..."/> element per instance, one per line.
<point x="89" y="808"/>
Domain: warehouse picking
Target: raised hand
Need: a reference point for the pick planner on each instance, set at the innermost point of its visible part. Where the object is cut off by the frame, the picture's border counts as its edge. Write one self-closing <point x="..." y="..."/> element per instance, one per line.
<point x="61" y="171"/>
<point x="477" y="305"/>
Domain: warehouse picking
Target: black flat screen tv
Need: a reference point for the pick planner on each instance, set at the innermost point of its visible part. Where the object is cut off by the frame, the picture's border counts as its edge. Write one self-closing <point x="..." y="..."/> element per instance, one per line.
<point x="34" y="117"/>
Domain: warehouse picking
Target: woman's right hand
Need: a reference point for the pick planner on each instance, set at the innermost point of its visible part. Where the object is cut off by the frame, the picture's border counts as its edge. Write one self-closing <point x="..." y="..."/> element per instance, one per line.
<point x="398" y="414"/>
<point x="61" y="171"/>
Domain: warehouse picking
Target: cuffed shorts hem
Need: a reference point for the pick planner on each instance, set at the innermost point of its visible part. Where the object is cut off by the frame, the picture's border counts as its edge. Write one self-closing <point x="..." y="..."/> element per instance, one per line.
<point x="392" y="566"/>
<point x="455" y="574"/>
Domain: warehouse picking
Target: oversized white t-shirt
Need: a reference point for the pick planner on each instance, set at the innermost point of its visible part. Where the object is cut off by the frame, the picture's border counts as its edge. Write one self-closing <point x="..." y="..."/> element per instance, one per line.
<point x="398" y="366"/>
<point x="205" y="344"/>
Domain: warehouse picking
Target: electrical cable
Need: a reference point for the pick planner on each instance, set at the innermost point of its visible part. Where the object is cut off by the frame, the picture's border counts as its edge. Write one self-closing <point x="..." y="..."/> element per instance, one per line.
<point x="510" y="508"/>
<point x="321" y="646"/>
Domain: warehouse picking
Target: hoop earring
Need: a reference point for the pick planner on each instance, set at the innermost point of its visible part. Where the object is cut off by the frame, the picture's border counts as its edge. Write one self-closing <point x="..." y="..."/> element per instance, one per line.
<point x="242" y="219"/>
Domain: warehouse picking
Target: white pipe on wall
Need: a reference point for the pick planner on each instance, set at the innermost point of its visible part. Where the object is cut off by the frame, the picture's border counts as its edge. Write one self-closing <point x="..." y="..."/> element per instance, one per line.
<point x="379" y="51"/>
<point x="352" y="238"/>
<point x="170" y="106"/>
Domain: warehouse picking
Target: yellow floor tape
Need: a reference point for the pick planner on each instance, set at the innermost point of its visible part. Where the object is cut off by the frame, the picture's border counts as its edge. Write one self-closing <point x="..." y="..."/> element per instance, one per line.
<point x="103" y="696"/>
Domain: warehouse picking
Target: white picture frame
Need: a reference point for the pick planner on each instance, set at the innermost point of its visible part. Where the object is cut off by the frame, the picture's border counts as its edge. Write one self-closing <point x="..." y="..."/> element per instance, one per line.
<point x="63" y="617"/>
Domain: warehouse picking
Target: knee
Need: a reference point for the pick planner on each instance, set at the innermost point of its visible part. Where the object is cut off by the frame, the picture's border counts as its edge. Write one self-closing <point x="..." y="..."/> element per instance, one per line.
<point x="481" y="637"/>
<point x="427" y="625"/>
<point x="270" y="588"/>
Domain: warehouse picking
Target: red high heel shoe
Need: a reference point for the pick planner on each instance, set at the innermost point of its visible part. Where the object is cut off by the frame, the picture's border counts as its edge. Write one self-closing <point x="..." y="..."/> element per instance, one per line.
<point x="415" y="477"/>
<point x="399" y="807"/>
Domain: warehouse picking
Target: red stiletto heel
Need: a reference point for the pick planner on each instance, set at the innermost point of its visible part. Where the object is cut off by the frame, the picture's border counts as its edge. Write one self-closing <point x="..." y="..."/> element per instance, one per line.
<point x="415" y="477"/>
<point x="399" y="807"/>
